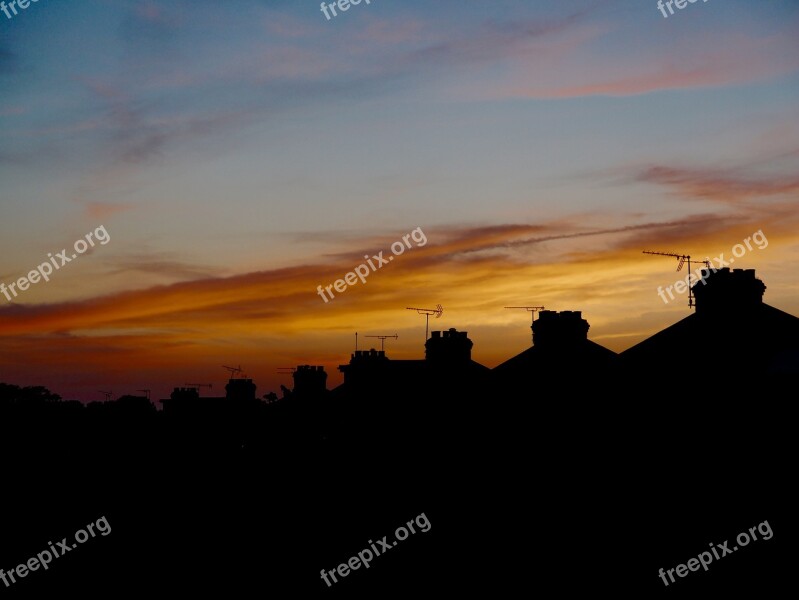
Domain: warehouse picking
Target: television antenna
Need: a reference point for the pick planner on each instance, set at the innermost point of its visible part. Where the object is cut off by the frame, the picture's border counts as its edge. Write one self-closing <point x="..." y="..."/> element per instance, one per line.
<point x="437" y="311"/>
<point x="682" y="258"/>
<point x="382" y="339"/>
<point x="233" y="370"/>
<point x="531" y="309"/>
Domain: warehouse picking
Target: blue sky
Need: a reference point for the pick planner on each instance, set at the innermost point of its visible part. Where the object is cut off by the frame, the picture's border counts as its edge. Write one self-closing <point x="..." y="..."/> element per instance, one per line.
<point x="244" y="139"/>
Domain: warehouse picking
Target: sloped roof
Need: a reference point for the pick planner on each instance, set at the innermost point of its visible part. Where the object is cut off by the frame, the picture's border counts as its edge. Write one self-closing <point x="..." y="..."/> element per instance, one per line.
<point x="762" y="337"/>
<point x="585" y="354"/>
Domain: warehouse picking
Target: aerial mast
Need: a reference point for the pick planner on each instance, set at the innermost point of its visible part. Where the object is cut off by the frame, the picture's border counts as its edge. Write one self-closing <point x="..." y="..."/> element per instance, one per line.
<point x="383" y="338"/>
<point x="437" y="311"/>
<point x="682" y="258"/>
<point x="233" y="370"/>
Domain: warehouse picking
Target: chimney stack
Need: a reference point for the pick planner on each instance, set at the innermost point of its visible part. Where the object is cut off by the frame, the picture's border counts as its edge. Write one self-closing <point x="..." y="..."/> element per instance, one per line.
<point x="310" y="380"/>
<point x="562" y="329"/>
<point x="240" y="390"/>
<point x="724" y="292"/>
<point x="450" y="346"/>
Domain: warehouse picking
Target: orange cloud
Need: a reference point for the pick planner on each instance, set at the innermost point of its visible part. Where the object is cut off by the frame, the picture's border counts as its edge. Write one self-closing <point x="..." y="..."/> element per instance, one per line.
<point x="165" y="335"/>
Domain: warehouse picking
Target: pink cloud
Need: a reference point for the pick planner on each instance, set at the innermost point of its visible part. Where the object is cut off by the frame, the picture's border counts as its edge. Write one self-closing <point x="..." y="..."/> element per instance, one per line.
<point x="390" y="32"/>
<point x="287" y="26"/>
<point x="572" y="70"/>
<point x="715" y="184"/>
<point x="102" y="210"/>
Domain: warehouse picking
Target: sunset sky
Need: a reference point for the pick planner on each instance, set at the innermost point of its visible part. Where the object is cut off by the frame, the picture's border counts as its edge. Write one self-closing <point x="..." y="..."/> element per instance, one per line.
<point x="239" y="154"/>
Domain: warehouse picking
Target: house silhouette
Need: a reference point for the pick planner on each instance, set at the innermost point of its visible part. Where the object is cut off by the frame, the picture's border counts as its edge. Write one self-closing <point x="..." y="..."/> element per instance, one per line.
<point x="566" y="441"/>
<point x="732" y="327"/>
<point x="560" y="347"/>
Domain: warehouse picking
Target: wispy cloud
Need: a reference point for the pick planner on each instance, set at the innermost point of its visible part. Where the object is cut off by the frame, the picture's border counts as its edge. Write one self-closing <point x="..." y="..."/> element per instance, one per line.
<point x="728" y="185"/>
<point x="166" y="264"/>
<point x="102" y="210"/>
<point x="191" y="323"/>
<point x="274" y="295"/>
<point x="149" y="25"/>
<point x="716" y="60"/>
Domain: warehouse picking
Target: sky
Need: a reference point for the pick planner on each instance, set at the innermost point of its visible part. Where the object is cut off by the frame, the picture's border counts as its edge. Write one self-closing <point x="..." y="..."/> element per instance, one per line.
<point x="239" y="155"/>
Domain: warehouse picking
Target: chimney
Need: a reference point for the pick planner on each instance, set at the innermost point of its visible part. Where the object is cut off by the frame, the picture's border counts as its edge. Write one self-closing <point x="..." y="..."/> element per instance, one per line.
<point x="240" y="390"/>
<point x="368" y="356"/>
<point x="725" y="292"/>
<point x="448" y="347"/>
<point x="310" y="380"/>
<point x="185" y="393"/>
<point x="562" y="329"/>
<point x="363" y="363"/>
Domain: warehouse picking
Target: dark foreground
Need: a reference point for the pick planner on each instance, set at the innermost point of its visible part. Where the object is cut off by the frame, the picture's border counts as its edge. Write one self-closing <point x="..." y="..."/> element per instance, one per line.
<point x="555" y="491"/>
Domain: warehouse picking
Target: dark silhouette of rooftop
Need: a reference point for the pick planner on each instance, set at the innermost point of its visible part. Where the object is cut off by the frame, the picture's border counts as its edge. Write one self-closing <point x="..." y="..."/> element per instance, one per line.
<point x="309" y="380"/>
<point x="448" y="361"/>
<point x="244" y="492"/>
<point x="560" y="346"/>
<point x="731" y="326"/>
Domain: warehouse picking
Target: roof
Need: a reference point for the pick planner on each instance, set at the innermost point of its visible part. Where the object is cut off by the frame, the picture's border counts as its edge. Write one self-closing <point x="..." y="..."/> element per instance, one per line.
<point x="762" y="338"/>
